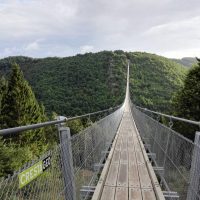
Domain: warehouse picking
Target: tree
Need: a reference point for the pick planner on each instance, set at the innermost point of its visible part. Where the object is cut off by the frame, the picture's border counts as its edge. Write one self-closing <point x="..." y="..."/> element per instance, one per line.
<point x="12" y="157"/>
<point x="20" y="107"/>
<point x="3" y="89"/>
<point x="187" y="100"/>
<point x="75" y="126"/>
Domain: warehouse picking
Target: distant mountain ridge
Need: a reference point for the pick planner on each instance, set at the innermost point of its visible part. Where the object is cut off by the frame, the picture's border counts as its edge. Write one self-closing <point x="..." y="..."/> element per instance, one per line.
<point x="186" y="61"/>
<point x="94" y="81"/>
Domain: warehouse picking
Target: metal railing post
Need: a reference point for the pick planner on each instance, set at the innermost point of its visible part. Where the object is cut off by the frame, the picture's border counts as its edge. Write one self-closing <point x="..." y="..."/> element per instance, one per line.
<point x="194" y="184"/>
<point x="67" y="163"/>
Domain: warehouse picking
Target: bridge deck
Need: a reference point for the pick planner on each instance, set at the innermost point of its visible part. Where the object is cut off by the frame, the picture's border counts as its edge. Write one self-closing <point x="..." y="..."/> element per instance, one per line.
<point x="127" y="173"/>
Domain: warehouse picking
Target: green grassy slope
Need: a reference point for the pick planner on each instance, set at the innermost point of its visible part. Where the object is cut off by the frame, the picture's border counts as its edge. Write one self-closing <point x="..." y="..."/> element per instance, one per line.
<point x="94" y="81"/>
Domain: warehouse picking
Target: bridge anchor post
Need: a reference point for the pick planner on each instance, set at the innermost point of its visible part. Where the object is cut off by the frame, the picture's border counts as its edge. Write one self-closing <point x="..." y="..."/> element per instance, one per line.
<point x="67" y="163"/>
<point x="194" y="184"/>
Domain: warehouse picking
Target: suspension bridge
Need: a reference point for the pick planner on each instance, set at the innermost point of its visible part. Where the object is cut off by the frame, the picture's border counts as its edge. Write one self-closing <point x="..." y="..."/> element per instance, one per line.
<point x="127" y="155"/>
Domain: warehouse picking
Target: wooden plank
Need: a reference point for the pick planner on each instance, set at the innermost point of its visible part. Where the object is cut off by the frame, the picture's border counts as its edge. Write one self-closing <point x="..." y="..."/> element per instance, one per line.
<point x="132" y="158"/>
<point x="134" y="134"/>
<point x="139" y="156"/>
<point x="124" y="144"/>
<point x="137" y="145"/>
<point x="156" y="186"/>
<point x="155" y="183"/>
<point x="124" y="156"/>
<point x="120" y="132"/>
<point x="135" y="194"/>
<point x="116" y="157"/>
<point x="133" y="176"/>
<point x="122" y="180"/>
<point x="148" y="194"/>
<point x="108" y="193"/>
<point x="99" y="186"/>
<point x="130" y="137"/>
<point x="121" y="193"/>
<point x="118" y="144"/>
<point x="127" y="172"/>
<point x="131" y="144"/>
<point x="145" y="180"/>
<point x="112" y="175"/>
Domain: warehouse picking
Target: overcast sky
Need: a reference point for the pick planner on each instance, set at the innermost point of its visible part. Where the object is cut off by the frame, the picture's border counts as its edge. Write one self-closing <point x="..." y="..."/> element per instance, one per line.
<point x="41" y="28"/>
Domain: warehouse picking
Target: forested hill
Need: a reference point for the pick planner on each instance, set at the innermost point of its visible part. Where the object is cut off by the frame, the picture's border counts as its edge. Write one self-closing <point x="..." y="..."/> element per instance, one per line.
<point x="154" y="79"/>
<point x="94" y="81"/>
<point x="186" y="61"/>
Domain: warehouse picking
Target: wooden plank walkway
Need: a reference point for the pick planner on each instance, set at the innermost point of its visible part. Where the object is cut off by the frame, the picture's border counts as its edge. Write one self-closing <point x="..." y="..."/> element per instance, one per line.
<point x="127" y="173"/>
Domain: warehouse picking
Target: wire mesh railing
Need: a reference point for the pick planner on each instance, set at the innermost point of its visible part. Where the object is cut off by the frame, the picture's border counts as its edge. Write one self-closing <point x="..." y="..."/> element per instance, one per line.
<point x="66" y="168"/>
<point x="177" y="159"/>
<point x="89" y="149"/>
<point x="46" y="186"/>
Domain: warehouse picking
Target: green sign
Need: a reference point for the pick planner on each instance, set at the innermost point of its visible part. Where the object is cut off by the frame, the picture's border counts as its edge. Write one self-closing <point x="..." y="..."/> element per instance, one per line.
<point x="33" y="172"/>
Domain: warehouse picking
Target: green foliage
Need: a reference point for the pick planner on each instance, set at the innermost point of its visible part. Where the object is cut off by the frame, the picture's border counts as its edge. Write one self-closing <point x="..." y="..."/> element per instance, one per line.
<point x="20" y="107"/>
<point x="73" y="86"/>
<point x="153" y="80"/>
<point x="187" y="61"/>
<point x="187" y="101"/>
<point x="75" y="126"/>
<point x="13" y="156"/>
<point x="3" y="90"/>
<point x="94" y="81"/>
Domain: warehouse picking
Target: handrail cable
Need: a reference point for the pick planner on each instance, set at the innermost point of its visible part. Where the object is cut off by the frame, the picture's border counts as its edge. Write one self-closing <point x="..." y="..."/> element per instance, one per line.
<point x="170" y="116"/>
<point x="9" y="131"/>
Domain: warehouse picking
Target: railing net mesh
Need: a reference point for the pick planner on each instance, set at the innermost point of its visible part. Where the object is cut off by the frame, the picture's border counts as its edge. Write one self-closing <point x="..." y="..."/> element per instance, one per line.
<point x="89" y="149"/>
<point x="174" y="154"/>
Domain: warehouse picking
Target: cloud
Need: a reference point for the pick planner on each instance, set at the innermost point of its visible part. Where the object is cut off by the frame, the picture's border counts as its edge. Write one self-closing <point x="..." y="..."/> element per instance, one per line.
<point x="10" y="51"/>
<point x="195" y="52"/>
<point x="32" y="46"/>
<point x="188" y="25"/>
<point x="68" y="26"/>
<point x="21" y="19"/>
<point x="86" y="48"/>
<point x="175" y="39"/>
<point x="22" y="50"/>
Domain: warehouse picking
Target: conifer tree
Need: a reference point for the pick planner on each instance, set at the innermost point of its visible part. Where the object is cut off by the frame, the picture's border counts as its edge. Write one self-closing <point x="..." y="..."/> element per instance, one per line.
<point x="21" y="108"/>
<point x="3" y="89"/>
